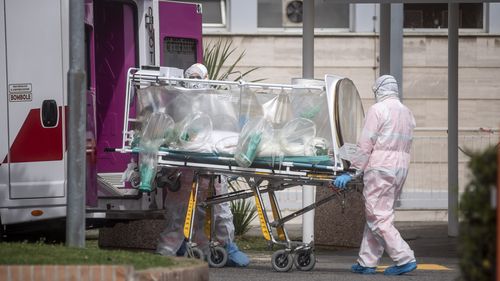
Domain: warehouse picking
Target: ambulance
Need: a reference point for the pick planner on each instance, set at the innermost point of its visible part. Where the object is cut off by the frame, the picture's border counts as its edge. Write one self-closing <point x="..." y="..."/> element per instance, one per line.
<point x="34" y="62"/>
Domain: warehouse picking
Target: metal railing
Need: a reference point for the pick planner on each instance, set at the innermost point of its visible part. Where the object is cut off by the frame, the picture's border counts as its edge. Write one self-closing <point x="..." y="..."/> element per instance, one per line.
<point x="426" y="186"/>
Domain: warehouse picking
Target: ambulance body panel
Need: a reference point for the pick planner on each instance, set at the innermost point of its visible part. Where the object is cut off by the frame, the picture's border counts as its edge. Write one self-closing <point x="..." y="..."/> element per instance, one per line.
<point x="34" y="61"/>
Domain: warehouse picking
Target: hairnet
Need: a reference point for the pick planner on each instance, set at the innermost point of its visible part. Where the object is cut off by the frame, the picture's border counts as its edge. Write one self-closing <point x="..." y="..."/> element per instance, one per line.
<point x="196" y="71"/>
<point x="384" y="87"/>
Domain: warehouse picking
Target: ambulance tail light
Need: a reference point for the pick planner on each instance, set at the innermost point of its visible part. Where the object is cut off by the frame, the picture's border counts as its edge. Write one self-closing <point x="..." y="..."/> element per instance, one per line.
<point x="36" y="213"/>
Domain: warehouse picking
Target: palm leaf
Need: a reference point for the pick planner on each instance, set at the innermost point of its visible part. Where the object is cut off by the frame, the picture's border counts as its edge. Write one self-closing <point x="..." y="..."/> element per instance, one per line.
<point x="244" y="212"/>
<point x="216" y="59"/>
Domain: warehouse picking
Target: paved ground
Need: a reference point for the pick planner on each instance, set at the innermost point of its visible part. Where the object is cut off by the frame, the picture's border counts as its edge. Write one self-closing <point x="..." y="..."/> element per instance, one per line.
<point x="435" y="251"/>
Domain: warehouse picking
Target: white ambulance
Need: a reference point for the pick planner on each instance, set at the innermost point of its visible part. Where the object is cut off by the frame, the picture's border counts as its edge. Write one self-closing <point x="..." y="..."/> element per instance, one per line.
<point x="34" y="61"/>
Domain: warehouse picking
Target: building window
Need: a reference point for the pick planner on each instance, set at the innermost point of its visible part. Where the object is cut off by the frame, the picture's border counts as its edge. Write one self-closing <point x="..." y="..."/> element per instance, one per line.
<point x="288" y="13"/>
<point x="214" y="12"/>
<point x="331" y="15"/>
<point x="269" y="13"/>
<point x="436" y="15"/>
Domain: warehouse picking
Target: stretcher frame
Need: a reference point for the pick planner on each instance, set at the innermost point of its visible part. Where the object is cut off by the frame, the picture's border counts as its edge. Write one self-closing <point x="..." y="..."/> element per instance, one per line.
<point x="286" y="174"/>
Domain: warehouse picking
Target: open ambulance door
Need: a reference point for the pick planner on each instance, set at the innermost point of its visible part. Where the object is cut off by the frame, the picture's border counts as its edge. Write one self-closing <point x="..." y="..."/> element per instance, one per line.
<point x="179" y="34"/>
<point x="116" y="50"/>
<point x="91" y="133"/>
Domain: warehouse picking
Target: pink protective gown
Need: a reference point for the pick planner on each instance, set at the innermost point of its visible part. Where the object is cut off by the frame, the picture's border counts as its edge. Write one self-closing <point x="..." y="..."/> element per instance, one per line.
<point x="384" y="158"/>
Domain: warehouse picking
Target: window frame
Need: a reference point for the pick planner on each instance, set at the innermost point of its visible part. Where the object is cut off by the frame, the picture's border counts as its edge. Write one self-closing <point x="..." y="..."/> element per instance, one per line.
<point x="223" y="10"/>
<point x="422" y="30"/>
<point x="294" y="30"/>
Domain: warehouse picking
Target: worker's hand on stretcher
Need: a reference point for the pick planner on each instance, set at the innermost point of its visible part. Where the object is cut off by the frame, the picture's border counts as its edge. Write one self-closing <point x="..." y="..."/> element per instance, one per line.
<point x="342" y="180"/>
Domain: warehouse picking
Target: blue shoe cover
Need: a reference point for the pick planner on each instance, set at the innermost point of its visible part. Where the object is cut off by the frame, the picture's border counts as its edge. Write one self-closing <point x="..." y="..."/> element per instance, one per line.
<point x="357" y="268"/>
<point x="235" y="257"/>
<point x="401" y="269"/>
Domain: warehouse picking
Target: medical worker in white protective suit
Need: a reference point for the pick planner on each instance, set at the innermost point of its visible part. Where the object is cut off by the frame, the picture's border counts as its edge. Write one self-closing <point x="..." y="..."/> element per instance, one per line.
<point x="172" y="238"/>
<point x="383" y="156"/>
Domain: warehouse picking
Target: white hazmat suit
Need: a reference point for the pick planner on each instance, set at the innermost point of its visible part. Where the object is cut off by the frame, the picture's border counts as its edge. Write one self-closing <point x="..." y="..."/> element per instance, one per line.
<point x="172" y="238"/>
<point x="384" y="157"/>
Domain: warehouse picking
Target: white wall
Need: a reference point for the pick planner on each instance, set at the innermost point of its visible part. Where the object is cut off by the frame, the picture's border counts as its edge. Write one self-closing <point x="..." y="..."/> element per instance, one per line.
<point x="494" y="18"/>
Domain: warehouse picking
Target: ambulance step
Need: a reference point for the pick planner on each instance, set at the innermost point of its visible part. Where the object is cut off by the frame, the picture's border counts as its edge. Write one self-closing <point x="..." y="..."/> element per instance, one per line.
<point x="111" y="185"/>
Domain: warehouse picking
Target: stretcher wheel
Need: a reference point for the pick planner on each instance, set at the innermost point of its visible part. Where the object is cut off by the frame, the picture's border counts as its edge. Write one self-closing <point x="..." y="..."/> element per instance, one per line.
<point x="282" y="261"/>
<point x="304" y="260"/>
<point x="217" y="257"/>
<point x="135" y="180"/>
<point x="174" y="185"/>
<point x="194" y="253"/>
<point x="171" y="181"/>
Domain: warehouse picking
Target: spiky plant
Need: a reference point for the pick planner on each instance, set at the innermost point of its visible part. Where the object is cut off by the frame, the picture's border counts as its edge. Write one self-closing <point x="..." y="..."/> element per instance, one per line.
<point x="216" y="58"/>
<point x="244" y="211"/>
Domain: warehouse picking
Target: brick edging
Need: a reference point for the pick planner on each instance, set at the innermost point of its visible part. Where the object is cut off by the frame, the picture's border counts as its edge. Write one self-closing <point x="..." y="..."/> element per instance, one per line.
<point x="198" y="272"/>
<point x="66" y="272"/>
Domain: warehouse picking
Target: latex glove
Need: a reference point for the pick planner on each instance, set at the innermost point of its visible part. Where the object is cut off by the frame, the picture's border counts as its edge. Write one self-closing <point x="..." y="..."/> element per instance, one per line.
<point x="342" y="180"/>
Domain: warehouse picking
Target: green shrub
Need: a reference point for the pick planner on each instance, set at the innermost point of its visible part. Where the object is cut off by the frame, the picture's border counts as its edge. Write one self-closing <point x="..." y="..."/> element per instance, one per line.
<point x="477" y="248"/>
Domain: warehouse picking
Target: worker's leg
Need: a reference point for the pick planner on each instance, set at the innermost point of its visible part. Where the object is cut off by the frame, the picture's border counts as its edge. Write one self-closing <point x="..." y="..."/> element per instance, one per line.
<point x="371" y="249"/>
<point x="172" y="237"/>
<point x="379" y="201"/>
<point x="224" y="229"/>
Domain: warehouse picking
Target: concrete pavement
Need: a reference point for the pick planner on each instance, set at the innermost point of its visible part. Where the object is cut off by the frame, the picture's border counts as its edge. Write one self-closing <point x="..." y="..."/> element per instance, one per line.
<point x="435" y="252"/>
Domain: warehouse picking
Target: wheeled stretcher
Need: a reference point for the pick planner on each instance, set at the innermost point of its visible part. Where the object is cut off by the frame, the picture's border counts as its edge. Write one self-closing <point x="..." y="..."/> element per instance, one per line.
<point x="272" y="136"/>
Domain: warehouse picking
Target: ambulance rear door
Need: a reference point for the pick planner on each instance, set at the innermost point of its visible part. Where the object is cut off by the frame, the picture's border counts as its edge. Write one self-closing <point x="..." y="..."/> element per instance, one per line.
<point x="4" y="136"/>
<point x="35" y="100"/>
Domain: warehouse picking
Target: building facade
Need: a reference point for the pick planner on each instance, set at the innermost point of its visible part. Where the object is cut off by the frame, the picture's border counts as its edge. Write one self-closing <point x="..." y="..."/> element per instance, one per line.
<point x="347" y="44"/>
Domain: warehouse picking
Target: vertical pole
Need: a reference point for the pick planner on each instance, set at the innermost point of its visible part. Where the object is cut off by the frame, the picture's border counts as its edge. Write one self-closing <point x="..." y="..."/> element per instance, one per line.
<point x="396" y="55"/>
<point x="308" y="73"/>
<point x="453" y="119"/>
<point x="75" y="224"/>
<point x="385" y="39"/>
<point x="391" y="42"/>
<point x="308" y="40"/>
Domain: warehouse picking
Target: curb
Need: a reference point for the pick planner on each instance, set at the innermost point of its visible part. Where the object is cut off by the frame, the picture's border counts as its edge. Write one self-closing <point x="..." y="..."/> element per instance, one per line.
<point x="197" y="272"/>
<point x="192" y="273"/>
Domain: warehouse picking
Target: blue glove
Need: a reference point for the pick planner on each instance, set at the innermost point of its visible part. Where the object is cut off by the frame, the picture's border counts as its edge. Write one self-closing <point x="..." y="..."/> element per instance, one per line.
<point x="342" y="180"/>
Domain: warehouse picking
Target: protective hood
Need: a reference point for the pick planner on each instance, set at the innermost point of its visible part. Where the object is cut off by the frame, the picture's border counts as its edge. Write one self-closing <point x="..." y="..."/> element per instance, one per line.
<point x="196" y="71"/>
<point x="384" y="87"/>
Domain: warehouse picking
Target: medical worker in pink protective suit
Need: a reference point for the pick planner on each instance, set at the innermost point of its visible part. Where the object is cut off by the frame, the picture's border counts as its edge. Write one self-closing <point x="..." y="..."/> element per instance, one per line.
<point x="383" y="156"/>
